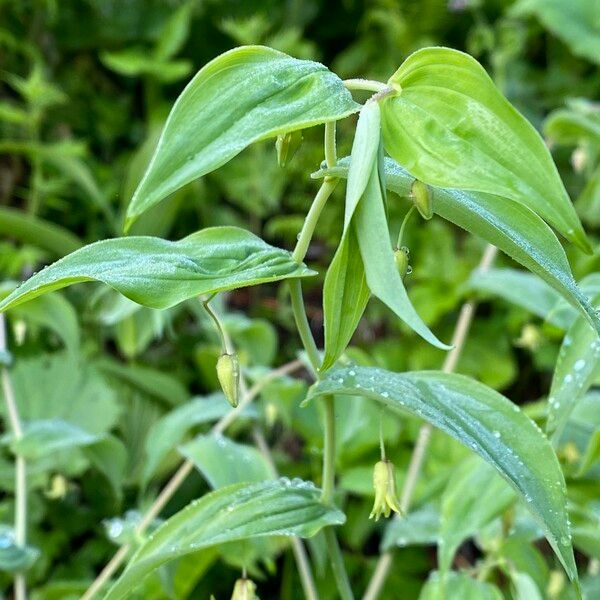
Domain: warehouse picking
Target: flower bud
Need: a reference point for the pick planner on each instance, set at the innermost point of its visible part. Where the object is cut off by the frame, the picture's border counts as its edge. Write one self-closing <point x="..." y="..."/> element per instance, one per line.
<point x="244" y="589"/>
<point x="386" y="496"/>
<point x="286" y="145"/>
<point x="530" y="338"/>
<point x="401" y="259"/>
<point x="422" y="198"/>
<point x="228" y="372"/>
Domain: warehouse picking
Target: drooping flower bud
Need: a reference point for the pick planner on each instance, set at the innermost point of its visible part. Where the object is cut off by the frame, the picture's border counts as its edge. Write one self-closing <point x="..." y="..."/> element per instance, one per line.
<point x="286" y="145"/>
<point x="423" y="199"/>
<point x="244" y="589"/>
<point x="386" y="496"/>
<point x="401" y="258"/>
<point x="228" y="372"/>
<point x="530" y="338"/>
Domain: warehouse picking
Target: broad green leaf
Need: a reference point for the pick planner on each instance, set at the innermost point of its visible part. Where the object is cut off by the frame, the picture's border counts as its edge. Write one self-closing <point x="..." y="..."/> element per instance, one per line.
<point x="265" y="93"/>
<point x="524" y="587"/>
<point x="420" y="527"/>
<point x="159" y="274"/>
<point x="448" y="125"/>
<point x="237" y="512"/>
<point x="53" y="311"/>
<point x="483" y="420"/>
<point x="381" y="272"/>
<point x="167" y="433"/>
<point x="514" y="229"/>
<point x="345" y="293"/>
<point x="588" y="203"/>
<point x="458" y="586"/>
<point x="67" y="388"/>
<point x="345" y="297"/>
<point x="109" y="456"/>
<point x="151" y="381"/>
<point x="14" y="558"/>
<point x="35" y="231"/>
<point x="577" y="367"/>
<point x="225" y="462"/>
<point x="474" y="496"/>
<point x="136" y="62"/>
<point x="43" y="437"/>
<point x="576" y="22"/>
<point x="577" y="123"/>
<point x="519" y="288"/>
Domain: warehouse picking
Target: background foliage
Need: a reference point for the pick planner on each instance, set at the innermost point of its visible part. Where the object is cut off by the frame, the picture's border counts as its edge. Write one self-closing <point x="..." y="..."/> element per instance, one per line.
<point x="84" y="90"/>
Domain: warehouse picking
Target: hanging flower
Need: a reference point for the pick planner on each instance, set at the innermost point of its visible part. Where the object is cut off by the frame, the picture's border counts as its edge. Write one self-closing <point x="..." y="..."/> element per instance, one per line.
<point x="386" y="497"/>
<point x="228" y="372"/>
<point x="244" y="589"/>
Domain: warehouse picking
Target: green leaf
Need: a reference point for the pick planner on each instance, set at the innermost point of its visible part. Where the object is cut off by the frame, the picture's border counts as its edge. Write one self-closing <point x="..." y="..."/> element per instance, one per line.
<point x="420" y="527"/>
<point x="225" y="462"/>
<point x="578" y="123"/>
<point x="14" y="558"/>
<point x="448" y="125"/>
<point x="35" y="231"/>
<point x="264" y="93"/>
<point x="170" y="430"/>
<point x="474" y="496"/>
<point x="237" y="512"/>
<point x="175" y="32"/>
<point x="159" y="274"/>
<point x="483" y="420"/>
<point x="345" y="293"/>
<point x="520" y="288"/>
<point x="43" y="437"/>
<point x="109" y="456"/>
<point x="575" y="22"/>
<point x="151" y="381"/>
<point x="513" y="228"/>
<point x="577" y="367"/>
<point x="54" y="312"/>
<point x="524" y="587"/>
<point x="345" y="297"/>
<point x="458" y="585"/>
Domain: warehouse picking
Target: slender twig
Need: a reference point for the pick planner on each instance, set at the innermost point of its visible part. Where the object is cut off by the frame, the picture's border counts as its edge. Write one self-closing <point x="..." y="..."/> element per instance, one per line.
<point x="180" y="475"/>
<point x="329" y="451"/>
<point x="20" y="466"/>
<point x="459" y="337"/>
<point x="304" y="570"/>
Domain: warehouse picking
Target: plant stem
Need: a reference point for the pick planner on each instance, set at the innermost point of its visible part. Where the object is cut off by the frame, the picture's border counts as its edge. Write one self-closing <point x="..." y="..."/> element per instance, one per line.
<point x="180" y="475"/>
<point x="367" y="85"/>
<point x="337" y="564"/>
<point x="302" y="562"/>
<point x="226" y="344"/>
<point x="459" y="337"/>
<point x="303" y="326"/>
<point x="328" y="485"/>
<point x="20" y="585"/>
<point x="329" y="145"/>
<point x="310" y="222"/>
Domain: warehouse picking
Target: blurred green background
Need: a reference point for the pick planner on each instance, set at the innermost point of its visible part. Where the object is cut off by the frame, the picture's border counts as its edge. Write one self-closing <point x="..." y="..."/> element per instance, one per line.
<point x="85" y="86"/>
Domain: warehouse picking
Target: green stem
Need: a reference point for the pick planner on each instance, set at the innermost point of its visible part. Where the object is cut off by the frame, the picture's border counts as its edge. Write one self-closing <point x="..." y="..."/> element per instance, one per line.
<point x="330" y="150"/>
<point x="306" y="336"/>
<point x="367" y="85"/>
<point x="337" y="564"/>
<point x="20" y="586"/>
<point x="225" y="340"/>
<point x="328" y="451"/>
<point x="403" y="226"/>
<point x="310" y="222"/>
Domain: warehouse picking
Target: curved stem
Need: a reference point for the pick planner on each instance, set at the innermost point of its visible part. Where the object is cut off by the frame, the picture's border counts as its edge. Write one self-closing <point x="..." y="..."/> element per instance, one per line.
<point x="310" y="222"/>
<point x="367" y="85"/>
<point x="459" y="337"/>
<point x="306" y="336"/>
<point x="330" y="149"/>
<point x="403" y="226"/>
<point x="337" y="564"/>
<point x="226" y="344"/>
<point x="20" y="585"/>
